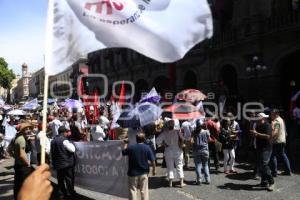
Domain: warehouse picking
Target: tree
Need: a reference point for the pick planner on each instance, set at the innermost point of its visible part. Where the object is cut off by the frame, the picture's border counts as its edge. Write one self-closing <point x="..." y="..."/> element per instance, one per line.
<point x="6" y="77"/>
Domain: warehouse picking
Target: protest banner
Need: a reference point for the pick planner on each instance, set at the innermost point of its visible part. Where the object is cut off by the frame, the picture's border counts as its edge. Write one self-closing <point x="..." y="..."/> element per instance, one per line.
<point x="101" y="167"/>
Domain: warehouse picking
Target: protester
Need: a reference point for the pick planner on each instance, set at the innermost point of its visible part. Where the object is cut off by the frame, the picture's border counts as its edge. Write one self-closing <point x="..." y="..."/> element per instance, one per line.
<point x="173" y="141"/>
<point x="1" y="122"/>
<point x="250" y="124"/>
<point x="296" y="117"/>
<point x="263" y="135"/>
<point x="279" y="142"/>
<point x="104" y="122"/>
<point x="227" y="139"/>
<point x="38" y="146"/>
<point x="187" y="133"/>
<point x="200" y="141"/>
<point x="22" y="164"/>
<point x="54" y="124"/>
<point x="235" y="129"/>
<point x="63" y="160"/>
<point x="97" y="132"/>
<point x="150" y="131"/>
<point x="10" y="134"/>
<point x="215" y="147"/>
<point x="2" y="154"/>
<point x="131" y="135"/>
<point x="37" y="186"/>
<point x="139" y="154"/>
<point x="76" y="129"/>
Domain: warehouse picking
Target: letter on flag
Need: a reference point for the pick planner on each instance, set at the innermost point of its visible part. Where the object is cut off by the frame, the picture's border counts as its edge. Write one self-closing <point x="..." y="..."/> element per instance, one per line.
<point x="164" y="30"/>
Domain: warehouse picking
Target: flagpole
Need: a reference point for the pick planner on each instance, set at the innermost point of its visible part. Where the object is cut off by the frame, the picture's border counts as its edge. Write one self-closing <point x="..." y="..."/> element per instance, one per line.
<point x="44" y="125"/>
<point x="47" y="65"/>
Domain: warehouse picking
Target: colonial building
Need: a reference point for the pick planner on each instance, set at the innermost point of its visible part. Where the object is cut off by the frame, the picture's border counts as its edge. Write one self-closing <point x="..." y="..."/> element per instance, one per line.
<point x="21" y="91"/>
<point x="60" y="85"/>
<point x="252" y="56"/>
<point x="64" y="84"/>
<point x="36" y="83"/>
<point x="80" y="68"/>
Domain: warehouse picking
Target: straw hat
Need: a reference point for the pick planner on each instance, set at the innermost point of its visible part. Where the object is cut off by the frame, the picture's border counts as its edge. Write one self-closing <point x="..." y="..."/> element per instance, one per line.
<point x="25" y="125"/>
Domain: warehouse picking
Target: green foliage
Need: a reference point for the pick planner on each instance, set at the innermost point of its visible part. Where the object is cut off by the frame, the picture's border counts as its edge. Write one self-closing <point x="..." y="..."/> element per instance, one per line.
<point x="6" y="75"/>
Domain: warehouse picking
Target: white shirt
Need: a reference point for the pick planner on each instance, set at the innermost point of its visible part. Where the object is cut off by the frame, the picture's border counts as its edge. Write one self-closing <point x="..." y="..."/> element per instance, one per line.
<point x="55" y="124"/>
<point x="69" y="146"/>
<point x="98" y="133"/>
<point x="176" y="124"/>
<point x="170" y="138"/>
<point x="38" y="143"/>
<point x="187" y="130"/>
<point x="104" y="122"/>
<point x="10" y="132"/>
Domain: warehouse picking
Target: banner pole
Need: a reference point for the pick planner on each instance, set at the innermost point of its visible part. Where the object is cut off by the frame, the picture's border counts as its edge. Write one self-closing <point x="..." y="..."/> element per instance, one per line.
<point x="44" y="125"/>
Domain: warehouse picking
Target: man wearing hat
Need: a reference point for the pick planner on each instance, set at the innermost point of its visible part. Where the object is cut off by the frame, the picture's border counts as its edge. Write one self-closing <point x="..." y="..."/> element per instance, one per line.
<point x="263" y="135"/>
<point x="63" y="158"/>
<point x="22" y="164"/>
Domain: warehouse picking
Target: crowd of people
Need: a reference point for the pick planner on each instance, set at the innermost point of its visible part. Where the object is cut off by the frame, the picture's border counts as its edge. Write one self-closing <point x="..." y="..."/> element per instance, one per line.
<point x="203" y="139"/>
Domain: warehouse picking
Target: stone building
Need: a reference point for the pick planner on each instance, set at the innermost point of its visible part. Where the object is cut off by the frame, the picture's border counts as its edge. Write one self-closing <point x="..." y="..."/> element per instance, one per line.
<point x="64" y="84"/>
<point x="36" y="83"/>
<point x="252" y="56"/>
<point x="60" y="85"/>
<point x="21" y="91"/>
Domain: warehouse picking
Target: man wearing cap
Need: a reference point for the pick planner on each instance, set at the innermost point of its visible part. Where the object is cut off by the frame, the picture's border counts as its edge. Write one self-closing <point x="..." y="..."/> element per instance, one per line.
<point x="63" y="158"/>
<point x="22" y="164"/>
<point x="263" y="135"/>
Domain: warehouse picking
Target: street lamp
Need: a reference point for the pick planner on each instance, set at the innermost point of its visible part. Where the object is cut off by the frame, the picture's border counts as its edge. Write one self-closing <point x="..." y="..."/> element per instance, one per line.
<point x="256" y="65"/>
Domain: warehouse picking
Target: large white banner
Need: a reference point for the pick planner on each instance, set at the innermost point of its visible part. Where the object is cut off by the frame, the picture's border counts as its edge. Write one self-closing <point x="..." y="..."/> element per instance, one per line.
<point x="163" y="30"/>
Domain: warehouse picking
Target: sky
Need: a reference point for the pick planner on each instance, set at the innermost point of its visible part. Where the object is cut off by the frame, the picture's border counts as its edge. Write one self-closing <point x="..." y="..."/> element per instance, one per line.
<point x="22" y="33"/>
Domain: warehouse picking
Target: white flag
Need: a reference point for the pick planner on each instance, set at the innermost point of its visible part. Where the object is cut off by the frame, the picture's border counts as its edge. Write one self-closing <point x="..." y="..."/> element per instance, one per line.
<point x="163" y="30"/>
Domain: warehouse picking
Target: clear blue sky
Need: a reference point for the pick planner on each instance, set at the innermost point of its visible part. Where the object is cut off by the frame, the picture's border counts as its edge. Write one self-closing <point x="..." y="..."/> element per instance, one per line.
<point x="22" y="33"/>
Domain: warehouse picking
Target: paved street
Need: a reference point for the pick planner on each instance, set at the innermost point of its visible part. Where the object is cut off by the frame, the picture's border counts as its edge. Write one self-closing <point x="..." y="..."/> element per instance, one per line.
<point x="239" y="186"/>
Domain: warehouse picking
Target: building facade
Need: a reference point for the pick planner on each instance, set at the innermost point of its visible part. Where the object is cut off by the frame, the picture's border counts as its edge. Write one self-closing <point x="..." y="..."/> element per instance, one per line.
<point x="21" y="91"/>
<point x="80" y="68"/>
<point x="60" y="86"/>
<point x="253" y="56"/>
<point x="36" y="83"/>
<point x="64" y="84"/>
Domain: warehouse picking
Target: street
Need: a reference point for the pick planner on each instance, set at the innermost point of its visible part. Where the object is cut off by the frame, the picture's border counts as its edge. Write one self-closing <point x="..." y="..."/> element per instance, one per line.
<point x="235" y="186"/>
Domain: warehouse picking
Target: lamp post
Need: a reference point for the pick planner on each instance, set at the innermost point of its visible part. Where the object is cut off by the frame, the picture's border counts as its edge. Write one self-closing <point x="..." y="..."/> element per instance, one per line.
<point x="256" y="67"/>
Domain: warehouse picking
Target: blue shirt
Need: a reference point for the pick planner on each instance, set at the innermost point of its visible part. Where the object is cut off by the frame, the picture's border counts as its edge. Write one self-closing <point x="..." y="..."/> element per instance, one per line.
<point x="138" y="155"/>
<point x="200" y="146"/>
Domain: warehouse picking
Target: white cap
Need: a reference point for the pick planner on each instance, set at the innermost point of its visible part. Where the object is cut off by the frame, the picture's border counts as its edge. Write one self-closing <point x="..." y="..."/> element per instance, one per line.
<point x="262" y="115"/>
